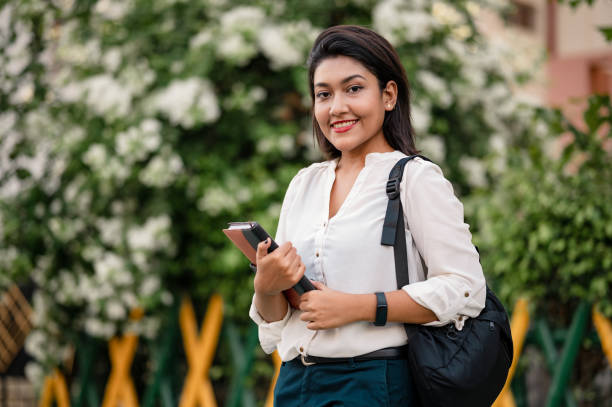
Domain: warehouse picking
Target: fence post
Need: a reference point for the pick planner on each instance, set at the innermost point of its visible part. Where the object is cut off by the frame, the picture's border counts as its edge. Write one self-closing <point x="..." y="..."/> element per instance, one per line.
<point x="604" y="330"/>
<point x="568" y="356"/>
<point x="277" y="365"/>
<point x="200" y="351"/>
<point x="518" y="325"/>
<point x="160" y="385"/>
<point x="545" y="339"/>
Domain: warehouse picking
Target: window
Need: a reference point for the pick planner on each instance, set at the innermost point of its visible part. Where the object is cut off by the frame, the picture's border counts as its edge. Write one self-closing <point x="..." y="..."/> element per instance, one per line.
<point x="522" y="15"/>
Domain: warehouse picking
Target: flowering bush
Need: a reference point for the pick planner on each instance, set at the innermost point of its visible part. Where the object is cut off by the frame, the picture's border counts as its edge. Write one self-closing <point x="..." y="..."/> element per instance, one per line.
<point x="545" y="226"/>
<point x="132" y="131"/>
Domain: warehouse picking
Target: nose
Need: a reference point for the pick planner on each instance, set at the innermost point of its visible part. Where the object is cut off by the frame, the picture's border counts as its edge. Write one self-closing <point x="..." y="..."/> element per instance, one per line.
<point x="338" y="105"/>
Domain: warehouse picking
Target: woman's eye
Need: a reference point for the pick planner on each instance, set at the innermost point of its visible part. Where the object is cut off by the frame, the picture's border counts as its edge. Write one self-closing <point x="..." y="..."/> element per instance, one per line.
<point x="354" y="89"/>
<point x="322" y="95"/>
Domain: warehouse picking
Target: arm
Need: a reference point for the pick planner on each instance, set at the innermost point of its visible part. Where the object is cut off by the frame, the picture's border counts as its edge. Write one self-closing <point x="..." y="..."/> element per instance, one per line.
<point x="327" y="308"/>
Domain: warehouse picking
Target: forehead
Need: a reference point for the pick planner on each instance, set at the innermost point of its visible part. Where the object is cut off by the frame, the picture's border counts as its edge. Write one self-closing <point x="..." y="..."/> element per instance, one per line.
<point x="335" y="69"/>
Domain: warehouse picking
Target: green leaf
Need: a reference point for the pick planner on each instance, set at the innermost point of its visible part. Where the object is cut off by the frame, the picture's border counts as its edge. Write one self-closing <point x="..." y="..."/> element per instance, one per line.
<point x="607" y="32"/>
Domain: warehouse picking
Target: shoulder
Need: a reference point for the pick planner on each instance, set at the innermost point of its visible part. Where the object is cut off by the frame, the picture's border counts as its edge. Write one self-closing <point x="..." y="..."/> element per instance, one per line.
<point x="420" y="173"/>
<point x="312" y="171"/>
<point x="307" y="175"/>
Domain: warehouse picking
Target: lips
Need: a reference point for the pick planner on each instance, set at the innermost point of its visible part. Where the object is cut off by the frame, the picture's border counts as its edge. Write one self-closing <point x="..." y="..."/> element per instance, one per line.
<point x="342" y="126"/>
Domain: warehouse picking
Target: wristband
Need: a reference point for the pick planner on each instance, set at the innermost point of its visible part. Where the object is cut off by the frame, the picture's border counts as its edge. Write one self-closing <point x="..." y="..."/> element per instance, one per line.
<point x="381" y="309"/>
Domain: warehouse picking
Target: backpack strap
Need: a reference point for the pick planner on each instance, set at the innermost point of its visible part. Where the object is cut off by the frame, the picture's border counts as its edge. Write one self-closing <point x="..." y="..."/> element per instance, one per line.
<point x="394" y="233"/>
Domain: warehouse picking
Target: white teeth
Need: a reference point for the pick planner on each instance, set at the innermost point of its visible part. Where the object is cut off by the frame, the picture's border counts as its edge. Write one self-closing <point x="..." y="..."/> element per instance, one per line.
<point x="344" y="124"/>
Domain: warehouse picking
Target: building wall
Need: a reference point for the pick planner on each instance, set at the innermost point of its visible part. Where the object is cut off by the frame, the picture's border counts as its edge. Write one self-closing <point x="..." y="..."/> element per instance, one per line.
<point x="576" y="29"/>
<point x="579" y="60"/>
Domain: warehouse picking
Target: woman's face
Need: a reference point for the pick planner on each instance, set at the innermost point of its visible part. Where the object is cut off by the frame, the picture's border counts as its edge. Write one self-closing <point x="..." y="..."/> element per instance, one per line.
<point x="349" y="105"/>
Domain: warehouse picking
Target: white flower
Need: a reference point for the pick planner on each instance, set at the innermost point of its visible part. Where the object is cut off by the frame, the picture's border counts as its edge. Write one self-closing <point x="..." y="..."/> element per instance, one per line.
<point x="166" y="298"/>
<point x="242" y="19"/>
<point x="446" y="14"/>
<point x="24" y="93"/>
<point x="95" y="156"/>
<point x="8" y="119"/>
<point x="162" y="170"/>
<point x="433" y="146"/>
<point x="149" y="286"/>
<point x="110" y="231"/>
<point x="136" y="143"/>
<point x="286" y="144"/>
<point x="35" y="344"/>
<point x="215" y="200"/>
<point x="108" y="265"/>
<point x="398" y="21"/>
<point x="112" y="9"/>
<point x="202" y="38"/>
<point x="474" y="170"/>
<point x="112" y="59"/>
<point x="432" y="82"/>
<point x="35" y="374"/>
<point x="286" y="45"/>
<point x="153" y="235"/>
<point x="99" y="329"/>
<point x="187" y="102"/>
<point x="137" y="77"/>
<point x="421" y="118"/>
<point x="235" y="48"/>
<point x="106" y="96"/>
<point x="34" y="165"/>
<point x="5" y="23"/>
<point x="115" y="310"/>
<point x="17" y="52"/>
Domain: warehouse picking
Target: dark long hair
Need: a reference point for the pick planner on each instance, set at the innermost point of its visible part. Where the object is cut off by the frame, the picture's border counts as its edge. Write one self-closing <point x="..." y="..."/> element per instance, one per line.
<point x="379" y="57"/>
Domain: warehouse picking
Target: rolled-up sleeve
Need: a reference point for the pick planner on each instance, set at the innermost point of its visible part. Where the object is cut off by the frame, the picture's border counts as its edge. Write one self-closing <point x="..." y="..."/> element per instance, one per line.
<point x="270" y="332"/>
<point x="455" y="286"/>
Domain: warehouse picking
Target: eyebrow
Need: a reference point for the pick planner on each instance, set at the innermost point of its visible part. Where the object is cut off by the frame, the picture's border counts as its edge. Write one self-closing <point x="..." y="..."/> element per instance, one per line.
<point x="345" y="80"/>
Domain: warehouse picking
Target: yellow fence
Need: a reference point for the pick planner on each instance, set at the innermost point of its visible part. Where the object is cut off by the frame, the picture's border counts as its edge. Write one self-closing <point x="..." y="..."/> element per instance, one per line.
<point x="200" y="349"/>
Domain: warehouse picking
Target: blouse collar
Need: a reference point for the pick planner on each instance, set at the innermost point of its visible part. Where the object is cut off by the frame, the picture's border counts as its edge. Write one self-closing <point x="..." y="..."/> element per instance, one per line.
<point x="372" y="158"/>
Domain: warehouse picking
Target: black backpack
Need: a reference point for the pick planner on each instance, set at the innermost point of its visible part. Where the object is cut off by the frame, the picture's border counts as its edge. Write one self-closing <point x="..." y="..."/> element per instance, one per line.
<point x="449" y="367"/>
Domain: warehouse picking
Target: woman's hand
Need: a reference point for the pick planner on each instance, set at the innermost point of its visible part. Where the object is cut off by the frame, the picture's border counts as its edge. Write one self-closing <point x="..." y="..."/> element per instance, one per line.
<point x="326" y="308"/>
<point x="277" y="271"/>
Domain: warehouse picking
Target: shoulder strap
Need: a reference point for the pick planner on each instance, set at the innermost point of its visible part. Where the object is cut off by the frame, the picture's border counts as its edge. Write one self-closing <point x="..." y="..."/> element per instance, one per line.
<point x="393" y="233"/>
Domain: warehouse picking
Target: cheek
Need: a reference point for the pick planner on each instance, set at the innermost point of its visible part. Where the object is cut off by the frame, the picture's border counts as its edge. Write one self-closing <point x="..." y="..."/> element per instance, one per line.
<point x="321" y="115"/>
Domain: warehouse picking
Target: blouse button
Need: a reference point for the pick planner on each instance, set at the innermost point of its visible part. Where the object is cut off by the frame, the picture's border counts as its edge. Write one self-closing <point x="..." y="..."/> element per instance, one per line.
<point x="317" y="254"/>
<point x="466" y="294"/>
<point x="301" y="349"/>
<point x="460" y="318"/>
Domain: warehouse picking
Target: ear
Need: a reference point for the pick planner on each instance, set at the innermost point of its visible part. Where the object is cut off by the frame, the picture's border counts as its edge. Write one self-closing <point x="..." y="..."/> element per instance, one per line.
<point x="389" y="95"/>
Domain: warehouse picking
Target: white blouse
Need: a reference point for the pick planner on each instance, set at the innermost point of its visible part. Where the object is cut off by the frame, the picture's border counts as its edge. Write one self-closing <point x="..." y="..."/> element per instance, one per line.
<point x="345" y="254"/>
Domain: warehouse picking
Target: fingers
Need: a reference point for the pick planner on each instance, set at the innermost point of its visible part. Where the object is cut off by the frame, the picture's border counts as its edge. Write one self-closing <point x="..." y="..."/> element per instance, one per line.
<point x="319" y="285"/>
<point x="262" y="249"/>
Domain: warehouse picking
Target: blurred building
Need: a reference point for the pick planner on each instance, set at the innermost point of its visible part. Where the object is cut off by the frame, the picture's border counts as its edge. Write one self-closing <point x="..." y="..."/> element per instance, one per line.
<point x="578" y="60"/>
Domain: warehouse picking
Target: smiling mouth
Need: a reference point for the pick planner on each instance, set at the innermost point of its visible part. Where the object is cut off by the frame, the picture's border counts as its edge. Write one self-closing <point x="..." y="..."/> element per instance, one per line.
<point x="343" y="125"/>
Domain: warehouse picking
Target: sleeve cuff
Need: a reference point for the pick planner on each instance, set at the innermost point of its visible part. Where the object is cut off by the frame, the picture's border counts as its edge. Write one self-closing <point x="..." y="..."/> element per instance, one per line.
<point x="445" y="302"/>
<point x="269" y="332"/>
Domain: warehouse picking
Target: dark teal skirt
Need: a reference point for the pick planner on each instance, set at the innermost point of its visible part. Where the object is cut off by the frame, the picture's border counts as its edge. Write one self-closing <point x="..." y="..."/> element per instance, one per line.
<point x="372" y="383"/>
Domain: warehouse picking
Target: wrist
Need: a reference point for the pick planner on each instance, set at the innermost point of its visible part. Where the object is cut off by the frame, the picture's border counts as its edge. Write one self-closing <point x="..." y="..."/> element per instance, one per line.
<point x="364" y="308"/>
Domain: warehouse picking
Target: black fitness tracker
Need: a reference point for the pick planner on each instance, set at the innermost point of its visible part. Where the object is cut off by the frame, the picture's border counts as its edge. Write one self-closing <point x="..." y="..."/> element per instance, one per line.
<point x="381" y="309"/>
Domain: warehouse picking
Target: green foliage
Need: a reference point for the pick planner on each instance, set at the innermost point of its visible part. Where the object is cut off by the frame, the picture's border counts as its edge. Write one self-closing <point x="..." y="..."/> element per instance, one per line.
<point x="546" y="226"/>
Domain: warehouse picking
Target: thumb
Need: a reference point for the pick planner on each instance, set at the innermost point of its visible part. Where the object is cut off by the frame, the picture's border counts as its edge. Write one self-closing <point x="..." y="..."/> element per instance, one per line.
<point x="262" y="248"/>
<point x="320" y="285"/>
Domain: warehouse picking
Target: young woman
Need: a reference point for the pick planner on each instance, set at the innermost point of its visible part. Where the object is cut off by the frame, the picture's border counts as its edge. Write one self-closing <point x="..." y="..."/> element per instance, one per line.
<point x="330" y="228"/>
